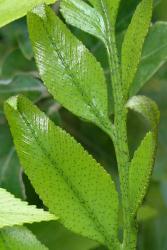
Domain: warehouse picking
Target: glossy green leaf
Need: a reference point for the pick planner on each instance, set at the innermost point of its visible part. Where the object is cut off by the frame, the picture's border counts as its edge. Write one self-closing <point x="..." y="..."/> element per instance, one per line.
<point x="133" y="43"/>
<point x="140" y="171"/>
<point x="143" y="160"/>
<point x="19" y="238"/>
<point x="13" y="211"/>
<point x="12" y="10"/>
<point x="83" y="16"/>
<point x="70" y="72"/>
<point x="153" y="57"/>
<point x="69" y="181"/>
<point x="108" y="10"/>
<point x="98" y="21"/>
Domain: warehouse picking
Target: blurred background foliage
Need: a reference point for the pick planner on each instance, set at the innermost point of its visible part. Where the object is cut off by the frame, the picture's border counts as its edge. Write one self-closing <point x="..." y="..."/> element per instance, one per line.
<point x="18" y="74"/>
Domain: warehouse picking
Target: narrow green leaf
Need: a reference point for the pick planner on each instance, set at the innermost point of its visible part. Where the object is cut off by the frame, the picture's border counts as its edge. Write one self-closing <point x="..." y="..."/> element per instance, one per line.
<point x="70" y="72"/>
<point x="12" y="10"/>
<point x="133" y="43"/>
<point x="143" y="159"/>
<point x="69" y="181"/>
<point x="153" y="57"/>
<point x="13" y="211"/>
<point x="19" y="238"/>
<point x="140" y="171"/>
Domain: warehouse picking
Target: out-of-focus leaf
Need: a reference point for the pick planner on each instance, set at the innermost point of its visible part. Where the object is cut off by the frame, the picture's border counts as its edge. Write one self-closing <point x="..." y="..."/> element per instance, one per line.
<point x="153" y="57"/>
<point x="11" y="11"/>
<point x="15" y="63"/>
<point x="26" y="84"/>
<point x="13" y="211"/>
<point x="133" y="43"/>
<point x="61" y="238"/>
<point x="19" y="238"/>
<point x="69" y="70"/>
<point x="64" y="174"/>
<point x="10" y="171"/>
<point x="146" y="213"/>
<point x="25" y="45"/>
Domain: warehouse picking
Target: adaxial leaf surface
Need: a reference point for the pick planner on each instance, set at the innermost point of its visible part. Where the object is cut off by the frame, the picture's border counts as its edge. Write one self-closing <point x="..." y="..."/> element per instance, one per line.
<point x="143" y="159"/>
<point x="98" y="21"/>
<point x="83" y="16"/>
<point x="12" y="10"/>
<point x="13" y="211"/>
<point x="133" y="43"/>
<point x="69" y="181"/>
<point x="108" y="10"/>
<point x="19" y="238"/>
<point x="70" y="72"/>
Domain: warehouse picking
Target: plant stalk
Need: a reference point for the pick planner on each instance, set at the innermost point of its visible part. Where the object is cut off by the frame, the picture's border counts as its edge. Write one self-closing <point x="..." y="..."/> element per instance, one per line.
<point x="120" y="141"/>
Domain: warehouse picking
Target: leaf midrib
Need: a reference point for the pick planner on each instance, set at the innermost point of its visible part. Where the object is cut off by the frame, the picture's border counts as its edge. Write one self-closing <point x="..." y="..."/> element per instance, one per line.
<point x="98" y="226"/>
<point x="101" y="119"/>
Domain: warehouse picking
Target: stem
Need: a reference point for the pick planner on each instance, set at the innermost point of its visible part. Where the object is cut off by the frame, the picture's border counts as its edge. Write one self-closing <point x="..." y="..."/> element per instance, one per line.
<point x="121" y="142"/>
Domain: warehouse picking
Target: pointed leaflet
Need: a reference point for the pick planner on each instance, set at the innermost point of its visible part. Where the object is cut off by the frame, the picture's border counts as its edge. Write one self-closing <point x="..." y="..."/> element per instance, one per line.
<point x="70" y="72"/>
<point x="143" y="159"/>
<point x="133" y="43"/>
<point x="12" y="10"/>
<point x="19" y="238"/>
<point x="98" y="21"/>
<point x="69" y="181"/>
<point x="13" y="211"/>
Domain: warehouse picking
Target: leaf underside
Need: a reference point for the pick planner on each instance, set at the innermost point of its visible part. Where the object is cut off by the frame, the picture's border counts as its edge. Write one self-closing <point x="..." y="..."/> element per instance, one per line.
<point x="13" y="211"/>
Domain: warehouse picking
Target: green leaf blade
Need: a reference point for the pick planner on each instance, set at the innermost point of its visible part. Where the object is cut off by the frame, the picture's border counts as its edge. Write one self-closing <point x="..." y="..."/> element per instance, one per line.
<point x="70" y="182"/>
<point x="70" y="72"/>
<point x="133" y="43"/>
<point x="140" y="171"/>
<point x="143" y="160"/>
<point x="84" y="17"/>
<point x="11" y="11"/>
<point x="19" y="238"/>
<point x="108" y="9"/>
<point x="13" y="211"/>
